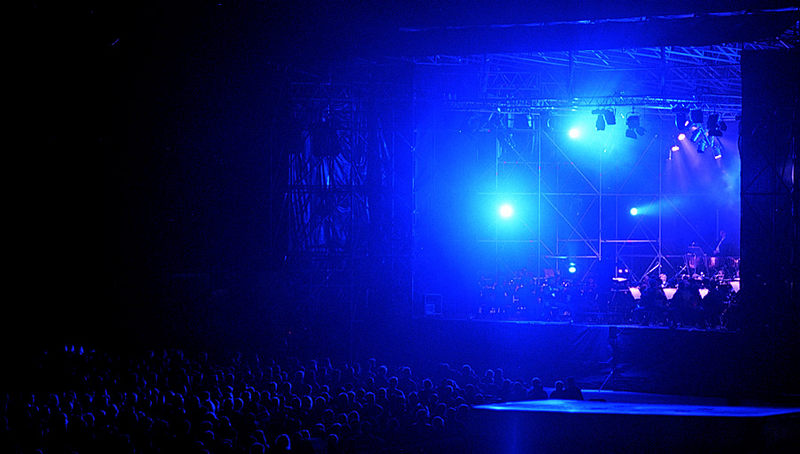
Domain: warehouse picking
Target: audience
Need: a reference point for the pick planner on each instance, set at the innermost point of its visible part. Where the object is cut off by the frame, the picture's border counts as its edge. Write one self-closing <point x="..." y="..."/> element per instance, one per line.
<point x="170" y="402"/>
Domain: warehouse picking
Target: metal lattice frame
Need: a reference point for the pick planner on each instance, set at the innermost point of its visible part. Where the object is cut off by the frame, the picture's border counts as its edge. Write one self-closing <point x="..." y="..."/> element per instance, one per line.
<point x="343" y="195"/>
<point x="575" y="203"/>
<point x="576" y="230"/>
<point x="708" y="77"/>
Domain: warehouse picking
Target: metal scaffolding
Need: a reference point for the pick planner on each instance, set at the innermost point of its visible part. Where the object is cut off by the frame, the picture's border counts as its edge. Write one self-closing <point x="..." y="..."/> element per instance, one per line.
<point x="656" y="78"/>
<point x="347" y="197"/>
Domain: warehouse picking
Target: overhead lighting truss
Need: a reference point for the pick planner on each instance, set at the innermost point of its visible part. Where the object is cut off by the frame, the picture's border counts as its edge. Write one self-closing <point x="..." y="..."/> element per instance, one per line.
<point x="708" y="77"/>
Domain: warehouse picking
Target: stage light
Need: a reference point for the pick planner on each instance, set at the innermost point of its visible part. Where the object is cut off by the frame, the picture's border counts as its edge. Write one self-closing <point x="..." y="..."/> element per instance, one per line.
<point x="716" y="149"/>
<point x="506" y="211"/>
<point x="713" y="126"/>
<point x="702" y="145"/>
<point x="600" y="124"/>
<point x="572" y="268"/>
<point x="574" y="133"/>
<point x="680" y="120"/>
<point x="610" y="117"/>
<point x="697" y="134"/>
<point x="634" y="127"/>
<point x="634" y="211"/>
<point x="681" y="117"/>
<point x="712" y="121"/>
<point x="675" y="148"/>
<point x="681" y="136"/>
<point x="697" y="116"/>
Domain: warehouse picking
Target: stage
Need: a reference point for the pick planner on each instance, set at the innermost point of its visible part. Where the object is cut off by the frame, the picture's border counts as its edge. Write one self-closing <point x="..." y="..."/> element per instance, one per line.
<point x="677" y="361"/>
<point x="671" y="425"/>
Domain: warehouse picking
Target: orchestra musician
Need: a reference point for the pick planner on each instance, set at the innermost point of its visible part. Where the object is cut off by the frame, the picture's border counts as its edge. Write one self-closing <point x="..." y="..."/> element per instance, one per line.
<point x="695" y="260"/>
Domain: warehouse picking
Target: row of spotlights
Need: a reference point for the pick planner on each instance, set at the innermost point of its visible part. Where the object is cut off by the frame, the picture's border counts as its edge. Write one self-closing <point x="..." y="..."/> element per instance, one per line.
<point x="685" y="118"/>
<point x="703" y="140"/>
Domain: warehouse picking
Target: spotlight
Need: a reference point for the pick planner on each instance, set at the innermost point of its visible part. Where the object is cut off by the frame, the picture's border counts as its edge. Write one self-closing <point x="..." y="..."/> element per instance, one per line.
<point x="713" y="126"/>
<point x="634" y="127"/>
<point x="697" y="116"/>
<point x="716" y="148"/>
<point x="506" y="211"/>
<point x="681" y="122"/>
<point x="702" y="145"/>
<point x="681" y="117"/>
<point x="572" y="268"/>
<point x="634" y="211"/>
<point x="697" y="134"/>
<point x="574" y="133"/>
<point x="611" y="118"/>
<point x="712" y="121"/>
<point x="600" y="124"/>
<point x="675" y="148"/>
<point x="681" y="136"/>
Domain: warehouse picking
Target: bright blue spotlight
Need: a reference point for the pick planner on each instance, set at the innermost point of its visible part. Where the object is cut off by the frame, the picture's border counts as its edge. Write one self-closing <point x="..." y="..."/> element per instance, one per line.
<point x="634" y="211"/>
<point x="574" y="133"/>
<point x="506" y="211"/>
<point x="572" y="268"/>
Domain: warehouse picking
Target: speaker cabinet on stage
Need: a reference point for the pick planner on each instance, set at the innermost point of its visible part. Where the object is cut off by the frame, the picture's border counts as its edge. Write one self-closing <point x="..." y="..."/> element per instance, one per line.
<point x="770" y="190"/>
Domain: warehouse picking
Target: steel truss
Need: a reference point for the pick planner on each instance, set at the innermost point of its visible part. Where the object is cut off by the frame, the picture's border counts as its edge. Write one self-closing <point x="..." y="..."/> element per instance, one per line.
<point x="574" y="196"/>
<point x="657" y="78"/>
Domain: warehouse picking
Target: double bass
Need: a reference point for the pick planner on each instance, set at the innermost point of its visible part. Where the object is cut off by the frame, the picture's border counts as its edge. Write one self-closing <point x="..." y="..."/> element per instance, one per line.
<point x="716" y="260"/>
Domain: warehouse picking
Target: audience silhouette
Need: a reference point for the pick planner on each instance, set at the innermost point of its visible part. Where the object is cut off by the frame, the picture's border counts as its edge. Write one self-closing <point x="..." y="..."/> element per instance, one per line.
<point x="167" y="401"/>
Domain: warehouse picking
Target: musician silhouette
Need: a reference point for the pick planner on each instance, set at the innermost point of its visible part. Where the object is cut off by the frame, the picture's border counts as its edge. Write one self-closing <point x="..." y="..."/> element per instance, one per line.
<point x="718" y="249"/>
<point x="695" y="259"/>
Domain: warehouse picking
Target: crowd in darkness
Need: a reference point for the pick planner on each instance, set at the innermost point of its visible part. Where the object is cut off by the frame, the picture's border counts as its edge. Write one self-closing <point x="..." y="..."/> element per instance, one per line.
<point x="169" y="401"/>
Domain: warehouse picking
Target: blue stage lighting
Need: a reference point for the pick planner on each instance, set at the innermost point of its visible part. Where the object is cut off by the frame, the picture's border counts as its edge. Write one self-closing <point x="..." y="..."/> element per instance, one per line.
<point x="634" y="211"/>
<point x="572" y="268"/>
<point x="681" y="122"/>
<point x="703" y="144"/>
<point x="574" y="133"/>
<point x="681" y="136"/>
<point x="697" y="134"/>
<point x="506" y="211"/>
<point x="716" y="148"/>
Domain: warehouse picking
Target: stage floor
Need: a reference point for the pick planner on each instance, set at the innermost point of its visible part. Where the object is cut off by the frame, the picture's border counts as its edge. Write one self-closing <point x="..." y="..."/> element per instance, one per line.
<point x="582" y="324"/>
<point x="624" y="408"/>
<point x="639" y="422"/>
